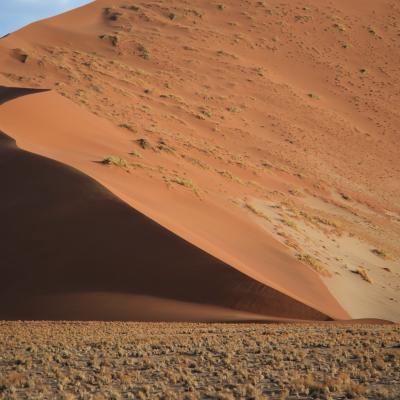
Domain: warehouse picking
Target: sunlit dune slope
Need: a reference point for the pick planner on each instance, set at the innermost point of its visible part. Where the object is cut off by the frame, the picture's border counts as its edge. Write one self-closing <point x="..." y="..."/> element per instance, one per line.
<point x="263" y="133"/>
<point x="65" y="238"/>
<point x="78" y="141"/>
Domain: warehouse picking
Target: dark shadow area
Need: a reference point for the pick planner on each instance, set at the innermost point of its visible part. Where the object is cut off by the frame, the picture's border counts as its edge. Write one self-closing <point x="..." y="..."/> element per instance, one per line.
<point x="63" y="233"/>
<point x="10" y="93"/>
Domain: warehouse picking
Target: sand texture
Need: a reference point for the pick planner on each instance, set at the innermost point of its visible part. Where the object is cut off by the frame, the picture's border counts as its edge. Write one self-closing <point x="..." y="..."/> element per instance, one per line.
<point x="202" y="162"/>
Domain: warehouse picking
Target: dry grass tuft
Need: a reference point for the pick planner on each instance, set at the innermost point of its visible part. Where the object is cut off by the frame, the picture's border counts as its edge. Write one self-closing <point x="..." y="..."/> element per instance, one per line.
<point x="115" y="160"/>
<point x="256" y="211"/>
<point x="379" y="253"/>
<point x="363" y="273"/>
<point x="128" y="127"/>
<point x="143" y="143"/>
<point x="187" y="183"/>
<point x="314" y="264"/>
<point x="228" y="175"/>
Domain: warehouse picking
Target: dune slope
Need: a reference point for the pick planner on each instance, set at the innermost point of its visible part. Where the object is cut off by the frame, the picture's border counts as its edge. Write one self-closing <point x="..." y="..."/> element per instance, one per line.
<point x="63" y="236"/>
<point x="264" y="134"/>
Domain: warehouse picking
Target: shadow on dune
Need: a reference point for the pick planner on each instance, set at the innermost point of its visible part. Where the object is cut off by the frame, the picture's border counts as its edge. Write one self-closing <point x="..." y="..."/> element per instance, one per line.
<point x="70" y="249"/>
<point x="62" y="233"/>
<point x="10" y="93"/>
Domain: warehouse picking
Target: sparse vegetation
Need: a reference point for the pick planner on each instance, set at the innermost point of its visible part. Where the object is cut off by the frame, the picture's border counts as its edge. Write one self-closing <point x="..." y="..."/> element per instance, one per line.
<point x="123" y="360"/>
<point x="129" y="127"/>
<point x="115" y="160"/>
<point x="234" y="109"/>
<point x="143" y="52"/>
<point x="256" y="211"/>
<point x="204" y="111"/>
<point x="339" y="27"/>
<point x="112" y="14"/>
<point x="315" y="264"/>
<point x="288" y="223"/>
<point x="379" y="253"/>
<point x="313" y="96"/>
<point x="162" y="145"/>
<point x="195" y="161"/>
<point x="113" y="39"/>
<point x="103" y="74"/>
<point x="345" y="196"/>
<point x="131" y="7"/>
<point x="317" y="219"/>
<point x="228" y="175"/>
<point x="135" y="154"/>
<point x="363" y="273"/>
<point x="143" y="143"/>
<point x="187" y="183"/>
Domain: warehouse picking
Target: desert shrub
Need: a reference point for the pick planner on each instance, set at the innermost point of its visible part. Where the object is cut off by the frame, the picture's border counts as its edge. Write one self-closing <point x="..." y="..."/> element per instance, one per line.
<point x="363" y="273"/>
<point x="313" y="263"/>
<point x="115" y="160"/>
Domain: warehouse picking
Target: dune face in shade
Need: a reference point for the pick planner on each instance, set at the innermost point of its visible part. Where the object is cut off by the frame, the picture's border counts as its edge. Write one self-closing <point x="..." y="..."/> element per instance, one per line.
<point x="104" y="256"/>
<point x="65" y="237"/>
<point x="9" y="93"/>
<point x="255" y="145"/>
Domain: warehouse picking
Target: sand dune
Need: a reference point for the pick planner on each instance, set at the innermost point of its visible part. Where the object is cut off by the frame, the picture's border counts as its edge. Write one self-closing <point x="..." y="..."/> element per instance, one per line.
<point x="120" y="246"/>
<point x="64" y="237"/>
<point x="233" y="134"/>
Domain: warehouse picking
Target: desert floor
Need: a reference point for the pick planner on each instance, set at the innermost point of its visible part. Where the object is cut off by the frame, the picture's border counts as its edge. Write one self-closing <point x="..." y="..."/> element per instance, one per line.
<point x="113" y="360"/>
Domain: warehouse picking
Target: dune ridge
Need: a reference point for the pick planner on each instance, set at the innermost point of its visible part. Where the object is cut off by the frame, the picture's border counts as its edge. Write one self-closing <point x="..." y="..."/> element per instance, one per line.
<point x="65" y="237"/>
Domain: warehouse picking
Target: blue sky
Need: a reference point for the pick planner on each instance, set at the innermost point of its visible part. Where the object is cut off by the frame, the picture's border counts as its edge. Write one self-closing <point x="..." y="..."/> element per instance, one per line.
<point x="14" y="14"/>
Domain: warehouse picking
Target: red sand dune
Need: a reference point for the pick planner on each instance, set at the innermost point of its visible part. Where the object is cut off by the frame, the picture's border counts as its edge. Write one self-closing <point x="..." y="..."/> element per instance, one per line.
<point x="65" y="237"/>
<point x="74" y="242"/>
<point x="230" y="107"/>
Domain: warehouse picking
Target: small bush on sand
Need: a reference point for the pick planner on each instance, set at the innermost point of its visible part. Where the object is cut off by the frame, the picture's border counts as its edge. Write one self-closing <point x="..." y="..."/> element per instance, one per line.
<point x="128" y="127"/>
<point x="143" y="143"/>
<point x="143" y="52"/>
<point x="256" y="211"/>
<point x="135" y="154"/>
<point x="314" y="264"/>
<point x="132" y="8"/>
<point x="113" y="39"/>
<point x="187" y="183"/>
<point x="379" y="253"/>
<point x="115" y="160"/>
<point x="363" y="273"/>
<point x="111" y="14"/>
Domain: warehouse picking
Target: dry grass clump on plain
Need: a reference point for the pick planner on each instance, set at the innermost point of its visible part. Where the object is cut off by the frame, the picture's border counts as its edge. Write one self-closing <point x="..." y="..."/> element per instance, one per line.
<point x="116" y="360"/>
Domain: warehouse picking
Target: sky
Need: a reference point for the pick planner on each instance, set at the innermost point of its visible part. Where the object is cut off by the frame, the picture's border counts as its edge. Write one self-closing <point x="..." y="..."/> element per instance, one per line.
<point x="15" y="14"/>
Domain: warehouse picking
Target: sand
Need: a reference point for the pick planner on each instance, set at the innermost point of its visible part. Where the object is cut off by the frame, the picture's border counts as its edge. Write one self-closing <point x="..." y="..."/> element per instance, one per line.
<point x="89" y="247"/>
<point x="203" y="110"/>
